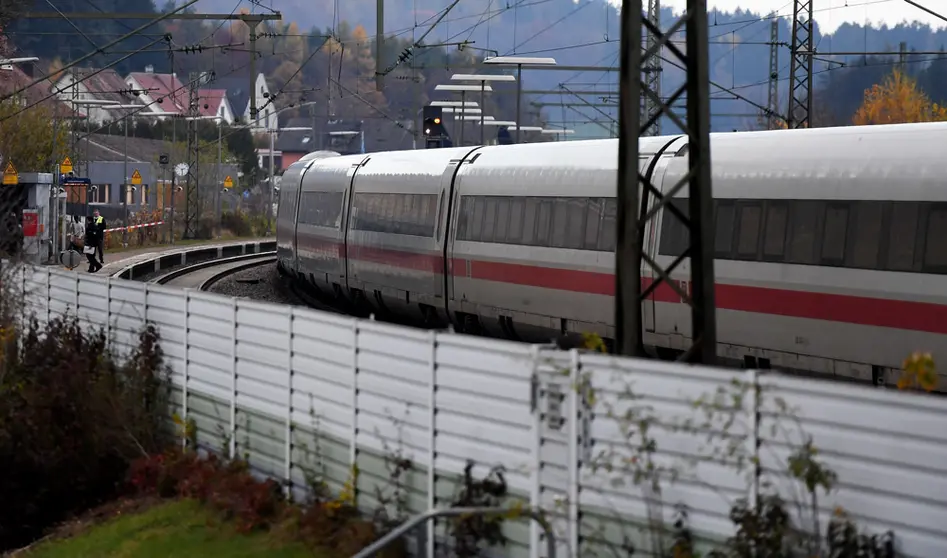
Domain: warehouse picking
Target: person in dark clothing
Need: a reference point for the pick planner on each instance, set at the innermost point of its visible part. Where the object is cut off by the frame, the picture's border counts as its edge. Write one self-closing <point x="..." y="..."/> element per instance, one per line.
<point x="97" y="226"/>
<point x="89" y="250"/>
<point x="12" y="233"/>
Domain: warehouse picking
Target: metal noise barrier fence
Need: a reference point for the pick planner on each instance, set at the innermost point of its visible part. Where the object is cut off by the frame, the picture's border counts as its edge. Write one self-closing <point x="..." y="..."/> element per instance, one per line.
<point x="276" y="382"/>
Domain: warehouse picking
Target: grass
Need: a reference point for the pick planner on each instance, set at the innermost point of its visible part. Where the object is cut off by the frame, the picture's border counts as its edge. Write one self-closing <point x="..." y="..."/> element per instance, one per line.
<point x="175" y="528"/>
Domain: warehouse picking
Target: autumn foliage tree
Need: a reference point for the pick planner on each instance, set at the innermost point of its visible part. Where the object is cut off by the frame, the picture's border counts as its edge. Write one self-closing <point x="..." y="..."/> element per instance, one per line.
<point x="897" y="100"/>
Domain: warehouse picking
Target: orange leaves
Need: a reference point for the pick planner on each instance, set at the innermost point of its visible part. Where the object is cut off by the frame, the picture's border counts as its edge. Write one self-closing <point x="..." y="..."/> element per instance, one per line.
<point x="919" y="370"/>
<point x="897" y="101"/>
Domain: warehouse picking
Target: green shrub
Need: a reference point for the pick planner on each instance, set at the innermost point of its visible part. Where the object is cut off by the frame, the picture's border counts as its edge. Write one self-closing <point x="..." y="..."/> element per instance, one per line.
<point x="72" y="420"/>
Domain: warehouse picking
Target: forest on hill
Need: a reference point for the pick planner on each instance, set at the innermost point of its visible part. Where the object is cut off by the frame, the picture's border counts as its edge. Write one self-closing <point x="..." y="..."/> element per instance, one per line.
<point x="328" y="46"/>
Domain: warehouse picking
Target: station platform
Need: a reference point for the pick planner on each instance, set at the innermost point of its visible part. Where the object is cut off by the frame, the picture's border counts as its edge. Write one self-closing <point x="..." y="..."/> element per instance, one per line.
<point x="116" y="261"/>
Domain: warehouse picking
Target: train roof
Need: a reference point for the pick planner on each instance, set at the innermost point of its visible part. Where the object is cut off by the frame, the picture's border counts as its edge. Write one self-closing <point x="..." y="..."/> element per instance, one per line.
<point x="897" y="162"/>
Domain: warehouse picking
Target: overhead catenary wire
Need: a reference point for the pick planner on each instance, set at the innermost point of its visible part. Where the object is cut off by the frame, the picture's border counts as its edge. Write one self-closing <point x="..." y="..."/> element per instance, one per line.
<point x="59" y="90"/>
<point x="100" y="50"/>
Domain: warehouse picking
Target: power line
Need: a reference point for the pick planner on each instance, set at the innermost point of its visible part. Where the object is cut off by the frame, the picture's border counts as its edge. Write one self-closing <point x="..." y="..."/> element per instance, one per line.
<point x="101" y="50"/>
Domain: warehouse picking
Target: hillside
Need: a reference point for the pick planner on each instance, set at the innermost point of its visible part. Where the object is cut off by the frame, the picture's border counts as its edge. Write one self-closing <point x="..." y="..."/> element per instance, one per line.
<point x="575" y="33"/>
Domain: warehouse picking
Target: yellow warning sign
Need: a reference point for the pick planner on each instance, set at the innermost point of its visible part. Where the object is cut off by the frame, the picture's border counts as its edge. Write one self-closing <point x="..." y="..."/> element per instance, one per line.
<point x="10" y="176"/>
<point x="228" y="182"/>
<point x="136" y="177"/>
<point x="66" y="166"/>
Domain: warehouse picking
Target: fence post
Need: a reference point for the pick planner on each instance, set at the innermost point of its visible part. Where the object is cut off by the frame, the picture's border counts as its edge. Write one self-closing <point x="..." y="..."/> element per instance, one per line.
<point x="108" y="312"/>
<point x="233" y="381"/>
<point x="353" y="447"/>
<point x="535" y="490"/>
<point x="49" y="296"/>
<point x="432" y="446"/>
<point x="187" y="312"/>
<point x="572" y="540"/>
<point x="752" y="408"/>
<point x="289" y="404"/>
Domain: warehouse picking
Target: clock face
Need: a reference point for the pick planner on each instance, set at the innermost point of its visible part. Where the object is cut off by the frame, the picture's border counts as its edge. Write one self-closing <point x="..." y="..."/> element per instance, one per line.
<point x="181" y="169"/>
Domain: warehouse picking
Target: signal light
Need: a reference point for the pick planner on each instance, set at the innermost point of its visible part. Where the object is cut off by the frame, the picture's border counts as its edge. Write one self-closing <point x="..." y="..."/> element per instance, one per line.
<point x="437" y="120"/>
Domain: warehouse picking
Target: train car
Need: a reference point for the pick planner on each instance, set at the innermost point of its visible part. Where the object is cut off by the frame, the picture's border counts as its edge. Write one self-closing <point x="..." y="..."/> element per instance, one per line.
<point x="395" y="232"/>
<point x="532" y="244"/>
<point x="286" y="210"/>
<point x="830" y="244"/>
<point x="830" y="249"/>
<point x="320" y="221"/>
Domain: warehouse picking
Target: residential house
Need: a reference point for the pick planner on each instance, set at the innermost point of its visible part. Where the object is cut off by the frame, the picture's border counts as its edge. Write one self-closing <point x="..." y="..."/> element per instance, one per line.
<point x="162" y="93"/>
<point x="92" y="84"/>
<point x="293" y="144"/>
<point x="214" y="102"/>
<point x="238" y="94"/>
<point x="17" y="76"/>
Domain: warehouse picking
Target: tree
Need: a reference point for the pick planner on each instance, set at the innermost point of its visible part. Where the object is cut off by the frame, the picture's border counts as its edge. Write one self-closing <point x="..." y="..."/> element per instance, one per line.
<point x="29" y="139"/>
<point x="897" y="100"/>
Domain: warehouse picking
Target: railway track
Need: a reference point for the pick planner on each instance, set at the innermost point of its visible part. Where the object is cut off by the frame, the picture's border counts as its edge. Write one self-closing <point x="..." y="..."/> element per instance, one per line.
<point x="202" y="276"/>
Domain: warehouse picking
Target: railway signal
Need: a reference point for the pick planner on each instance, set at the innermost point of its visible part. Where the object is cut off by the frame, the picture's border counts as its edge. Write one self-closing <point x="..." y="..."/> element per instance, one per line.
<point x="434" y="132"/>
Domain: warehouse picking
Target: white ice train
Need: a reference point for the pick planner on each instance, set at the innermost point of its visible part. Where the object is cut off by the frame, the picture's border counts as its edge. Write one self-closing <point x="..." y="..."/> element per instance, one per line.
<point x="830" y="244"/>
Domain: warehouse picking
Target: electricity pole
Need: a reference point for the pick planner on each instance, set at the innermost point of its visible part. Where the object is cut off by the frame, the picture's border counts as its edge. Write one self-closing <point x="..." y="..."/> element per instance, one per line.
<point x="192" y="195"/>
<point x="652" y="73"/>
<point x="800" y="66"/>
<point x="772" y="98"/>
<point x="630" y="298"/>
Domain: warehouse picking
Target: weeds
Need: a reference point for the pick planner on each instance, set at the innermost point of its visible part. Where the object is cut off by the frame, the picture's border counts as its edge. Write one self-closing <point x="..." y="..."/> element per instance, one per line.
<point x="72" y="420"/>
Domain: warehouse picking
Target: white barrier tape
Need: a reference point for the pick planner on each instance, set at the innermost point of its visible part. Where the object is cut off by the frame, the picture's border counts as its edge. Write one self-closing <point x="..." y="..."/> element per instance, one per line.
<point x="156" y="223"/>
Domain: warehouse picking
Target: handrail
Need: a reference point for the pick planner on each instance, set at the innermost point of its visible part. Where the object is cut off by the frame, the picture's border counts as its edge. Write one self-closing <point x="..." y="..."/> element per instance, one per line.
<point x="402" y="529"/>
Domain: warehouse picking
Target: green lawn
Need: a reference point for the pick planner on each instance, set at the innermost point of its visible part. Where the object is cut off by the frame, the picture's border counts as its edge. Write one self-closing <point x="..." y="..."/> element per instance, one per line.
<point x="173" y="529"/>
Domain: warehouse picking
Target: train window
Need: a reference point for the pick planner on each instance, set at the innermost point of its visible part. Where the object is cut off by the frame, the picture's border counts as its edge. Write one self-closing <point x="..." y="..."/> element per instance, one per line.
<point x="833" y="235"/>
<point x="606" y="239"/>
<point x="575" y="235"/>
<point x="866" y="236"/>
<point x="466" y="211"/>
<point x="935" y="253"/>
<point x="515" y="232"/>
<point x="489" y="220"/>
<point x="407" y="214"/>
<point x="674" y="233"/>
<point x="724" y="223"/>
<point x="529" y="221"/>
<point x="543" y="221"/>
<point x="774" y="237"/>
<point x="593" y="222"/>
<point x="804" y="218"/>
<point x="560" y="222"/>
<point x="503" y="219"/>
<point x="321" y="209"/>
<point x="901" y="236"/>
<point x="476" y="226"/>
<point x="748" y="239"/>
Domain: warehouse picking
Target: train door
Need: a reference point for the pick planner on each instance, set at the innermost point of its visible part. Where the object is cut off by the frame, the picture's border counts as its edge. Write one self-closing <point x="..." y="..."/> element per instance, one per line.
<point x="348" y="203"/>
<point x="442" y="234"/>
<point x="652" y="166"/>
<point x="672" y="313"/>
<point x="454" y="176"/>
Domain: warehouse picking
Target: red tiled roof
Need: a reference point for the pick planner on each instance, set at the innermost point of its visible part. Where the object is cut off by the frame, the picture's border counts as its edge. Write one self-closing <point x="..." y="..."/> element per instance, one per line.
<point x="163" y="86"/>
<point x="212" y="98"/>
<point x="14" y="79"/>
<point x="104" y="85"/>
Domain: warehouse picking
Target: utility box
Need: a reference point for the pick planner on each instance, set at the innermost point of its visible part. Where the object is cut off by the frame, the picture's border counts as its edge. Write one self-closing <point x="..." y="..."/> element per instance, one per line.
<point x="35" y="217"/>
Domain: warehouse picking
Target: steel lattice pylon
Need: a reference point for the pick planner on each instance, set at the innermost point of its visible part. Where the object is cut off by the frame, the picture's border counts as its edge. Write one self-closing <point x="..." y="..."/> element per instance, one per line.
<point x="652" y="73"/>
<point x="772" y="98"/>
<point x="800" y="70"/>
<point x="632" y="262"/>
<point x="191" y="203"/>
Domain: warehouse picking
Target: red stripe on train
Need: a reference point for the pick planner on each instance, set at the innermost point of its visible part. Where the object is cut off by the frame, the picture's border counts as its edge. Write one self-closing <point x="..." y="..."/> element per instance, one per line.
<point x="898" y="314"/>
